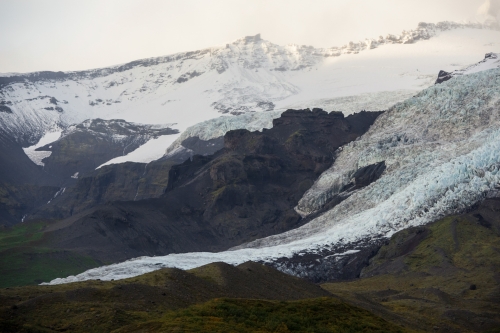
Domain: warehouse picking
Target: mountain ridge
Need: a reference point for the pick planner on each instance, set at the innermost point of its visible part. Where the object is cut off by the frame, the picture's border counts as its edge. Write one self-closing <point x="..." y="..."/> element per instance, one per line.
<point x="45" y="101"/>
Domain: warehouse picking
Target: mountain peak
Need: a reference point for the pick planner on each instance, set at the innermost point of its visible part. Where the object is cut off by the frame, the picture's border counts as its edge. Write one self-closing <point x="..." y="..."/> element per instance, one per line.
<point x="248" y="39"/>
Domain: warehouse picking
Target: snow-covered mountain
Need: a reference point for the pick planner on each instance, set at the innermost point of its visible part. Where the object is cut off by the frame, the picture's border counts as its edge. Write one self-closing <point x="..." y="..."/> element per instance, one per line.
<point x="441" y="149"/>
<point x="490" y="61"/>
<point x="127" y="135"/>
<point x="247" y="75"/>
<point x="438" y="147"/>
<point x="84" y="147"/>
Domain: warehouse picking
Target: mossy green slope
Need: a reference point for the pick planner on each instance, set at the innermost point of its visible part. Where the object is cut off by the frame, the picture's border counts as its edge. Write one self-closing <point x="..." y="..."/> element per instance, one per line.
<point x="27" y="259"/>
<point x="442" y="277"/>
<point x="240" y="315"/>
<point x="175" y="300"/>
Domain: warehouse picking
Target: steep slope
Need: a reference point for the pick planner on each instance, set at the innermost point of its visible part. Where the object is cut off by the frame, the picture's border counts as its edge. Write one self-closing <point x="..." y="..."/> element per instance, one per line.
<point x="440" y="149"/>
<point x="17" y="168"/>
<point x="119" y="182"/>
<point x="243" y="192"/>
<point x="17" y="201"/>
<point x="172" y="300"/>
<point x="24" y="186"/>
<point x="250" y="74"/>
<point x="85" y="146"/>
<point x="443" y="277"/>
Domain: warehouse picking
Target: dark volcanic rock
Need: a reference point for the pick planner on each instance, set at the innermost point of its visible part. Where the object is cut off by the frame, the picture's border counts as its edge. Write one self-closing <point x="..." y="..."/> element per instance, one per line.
<point x="124" y="181"/>
<point x="17" y="168"/>
<point x="245" y="191"/>
<point x="24" y="186"/>
<point x="195" y="146"/>
<point x="5" y="108"/>
<point x="17" y="201"/>
<point x="87" y="145"/>
<point x="333" y="264"/>
<point x="116" y="182"/>
<point x="365" y="176"/>
<point x="443" y="76"/>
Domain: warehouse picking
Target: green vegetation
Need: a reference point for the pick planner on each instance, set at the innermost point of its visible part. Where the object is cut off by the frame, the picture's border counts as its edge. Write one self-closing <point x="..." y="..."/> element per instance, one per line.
<point x="240" y="315"/>
<point x="449" y="279"/>
<point x="442" y="277"/>
<point x="25" y="258"/>
<point x="214" y="298"/>
<point x="21" y="235"/>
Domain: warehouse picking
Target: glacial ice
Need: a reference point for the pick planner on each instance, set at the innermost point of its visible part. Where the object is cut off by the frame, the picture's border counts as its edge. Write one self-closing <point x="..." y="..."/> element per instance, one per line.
<point x="442" y="151"/>
<point x="436" y="121"/>
<point x="217" y="127"/>
<point x="250" y="74"/>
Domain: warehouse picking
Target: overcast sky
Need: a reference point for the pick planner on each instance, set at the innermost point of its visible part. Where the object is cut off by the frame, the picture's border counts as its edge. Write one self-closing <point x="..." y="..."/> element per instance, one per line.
<point x="73" y="34"/>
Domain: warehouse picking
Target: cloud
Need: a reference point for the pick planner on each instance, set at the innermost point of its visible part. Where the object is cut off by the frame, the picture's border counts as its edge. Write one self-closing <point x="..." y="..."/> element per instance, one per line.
<point x="490" y="9"/>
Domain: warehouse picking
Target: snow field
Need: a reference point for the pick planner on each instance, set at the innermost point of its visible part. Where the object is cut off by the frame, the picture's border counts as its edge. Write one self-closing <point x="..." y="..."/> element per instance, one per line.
<point x="442" y="148"/>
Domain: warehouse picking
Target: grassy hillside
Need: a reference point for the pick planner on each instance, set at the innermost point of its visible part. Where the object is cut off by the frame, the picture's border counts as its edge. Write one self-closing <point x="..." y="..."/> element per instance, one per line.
<point x="213" y="298"/>
<point x="26" y="258"/>
<point x="240" y="315"/>
<point x="444" y="277"/>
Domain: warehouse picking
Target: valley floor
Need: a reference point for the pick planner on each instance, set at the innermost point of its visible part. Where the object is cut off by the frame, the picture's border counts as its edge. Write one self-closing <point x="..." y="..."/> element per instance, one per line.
<point x="444" y="277"/>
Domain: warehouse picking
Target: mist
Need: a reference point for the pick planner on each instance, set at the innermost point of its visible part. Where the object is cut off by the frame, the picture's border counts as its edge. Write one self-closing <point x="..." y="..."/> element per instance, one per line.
<point x="69" y="35"/>
<point x="490" y="10"/>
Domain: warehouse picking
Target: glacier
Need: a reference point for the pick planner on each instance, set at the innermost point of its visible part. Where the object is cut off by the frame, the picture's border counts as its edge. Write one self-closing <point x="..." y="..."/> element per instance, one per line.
<point x="442" y="152"/>
<point x="217" y="127"/>
<point x="245" y="76"/>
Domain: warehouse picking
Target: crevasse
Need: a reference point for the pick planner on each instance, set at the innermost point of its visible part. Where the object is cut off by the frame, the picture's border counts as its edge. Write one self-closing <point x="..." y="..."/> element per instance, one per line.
<point x="442" y="149"/>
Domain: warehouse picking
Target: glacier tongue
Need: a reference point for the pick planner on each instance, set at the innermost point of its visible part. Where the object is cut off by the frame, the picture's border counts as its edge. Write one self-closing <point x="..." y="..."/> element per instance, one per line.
<point x="442" y="151"/>
<point x="217" y="127"/>
<point x="418" y="134"/>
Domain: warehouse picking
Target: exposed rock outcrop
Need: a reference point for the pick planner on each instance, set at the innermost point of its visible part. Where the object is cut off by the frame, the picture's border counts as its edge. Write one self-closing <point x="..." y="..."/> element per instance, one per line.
<point x="85" y="146"/>
<point x="245" y="191"/>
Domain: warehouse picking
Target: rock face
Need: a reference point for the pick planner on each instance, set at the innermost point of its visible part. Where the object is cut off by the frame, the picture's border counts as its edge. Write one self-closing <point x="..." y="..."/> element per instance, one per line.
<point x="245" y="191"/>
<point x="84" y="147"/>
<point x="24" y="186"/>
<point x="191" y="146"/>
<point x="17" y="168"/>
<point x="124" y="181"/>
<point x="116" y="182"/>
<point x="19" y="201"/>
<point x="443" y="76"/>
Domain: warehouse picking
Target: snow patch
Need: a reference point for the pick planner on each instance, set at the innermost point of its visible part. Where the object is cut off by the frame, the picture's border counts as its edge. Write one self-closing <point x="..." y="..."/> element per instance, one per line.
<point x="248" y="75"/>
<point x="38" y="156"/>
<point x="150" y="151"/>
<point x="442" y="151"/>
<point x="58" y="193"/>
